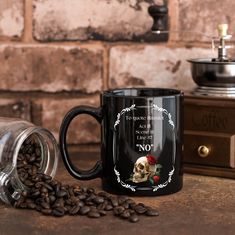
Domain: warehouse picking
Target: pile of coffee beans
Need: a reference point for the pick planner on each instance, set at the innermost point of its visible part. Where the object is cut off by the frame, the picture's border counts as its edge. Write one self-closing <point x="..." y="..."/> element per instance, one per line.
<point x="51" y="197"/>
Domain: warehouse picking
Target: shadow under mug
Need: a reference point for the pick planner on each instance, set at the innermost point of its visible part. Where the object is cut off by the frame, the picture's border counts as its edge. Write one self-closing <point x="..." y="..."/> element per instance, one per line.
<point x="141" y="141"/>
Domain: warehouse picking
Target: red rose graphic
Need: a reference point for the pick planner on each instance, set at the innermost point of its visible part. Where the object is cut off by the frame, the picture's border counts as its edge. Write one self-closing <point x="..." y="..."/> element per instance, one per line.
<point x="156" y="178"/>
<point x="151" y="160"/>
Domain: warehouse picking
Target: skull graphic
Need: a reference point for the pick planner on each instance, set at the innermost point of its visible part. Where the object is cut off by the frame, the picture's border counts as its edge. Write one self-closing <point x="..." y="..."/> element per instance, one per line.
<point x="144" y="168"/>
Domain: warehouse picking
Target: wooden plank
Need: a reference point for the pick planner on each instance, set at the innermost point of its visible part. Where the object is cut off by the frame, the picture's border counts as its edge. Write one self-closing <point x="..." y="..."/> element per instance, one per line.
<point x="206" y="205"/>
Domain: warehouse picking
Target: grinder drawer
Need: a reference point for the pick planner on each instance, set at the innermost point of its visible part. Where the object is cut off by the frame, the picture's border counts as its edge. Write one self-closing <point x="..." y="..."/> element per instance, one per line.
<point x="212" y="149"/>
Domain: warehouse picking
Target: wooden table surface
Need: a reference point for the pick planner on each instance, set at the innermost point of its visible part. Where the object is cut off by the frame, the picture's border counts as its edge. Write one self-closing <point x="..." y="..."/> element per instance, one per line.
<point x="206" y="205"/>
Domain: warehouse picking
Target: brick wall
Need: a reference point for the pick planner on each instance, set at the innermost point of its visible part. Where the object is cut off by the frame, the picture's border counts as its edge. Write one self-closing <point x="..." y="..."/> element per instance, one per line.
<point x="56" y="54"/>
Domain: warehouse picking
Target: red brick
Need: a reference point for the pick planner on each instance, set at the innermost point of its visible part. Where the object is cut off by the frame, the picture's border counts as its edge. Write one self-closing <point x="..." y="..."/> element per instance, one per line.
<point x="203" y="16"/>
<point x="15" y="108"/>
<point x="152" y="66"/>
<point x="93" y="19"/>
<point x="50" y="68"/>
<point x="82" y="130"/>
<point x="11" y="18"/>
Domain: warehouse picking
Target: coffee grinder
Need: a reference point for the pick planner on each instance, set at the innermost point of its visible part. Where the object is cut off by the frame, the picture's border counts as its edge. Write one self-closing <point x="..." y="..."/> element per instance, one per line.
<point x="209" y="110"/>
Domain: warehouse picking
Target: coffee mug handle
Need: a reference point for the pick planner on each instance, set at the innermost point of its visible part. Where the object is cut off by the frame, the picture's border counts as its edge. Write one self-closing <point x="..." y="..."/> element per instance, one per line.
<point x="94" y="172"/>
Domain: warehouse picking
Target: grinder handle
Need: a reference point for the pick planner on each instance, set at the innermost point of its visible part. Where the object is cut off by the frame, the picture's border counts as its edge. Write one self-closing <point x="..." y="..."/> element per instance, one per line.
<point x="160" y="17"/>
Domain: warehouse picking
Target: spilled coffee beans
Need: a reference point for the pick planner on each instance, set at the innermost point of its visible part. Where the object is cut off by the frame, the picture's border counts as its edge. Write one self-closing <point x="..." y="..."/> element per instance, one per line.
<point x="51" y="197"/>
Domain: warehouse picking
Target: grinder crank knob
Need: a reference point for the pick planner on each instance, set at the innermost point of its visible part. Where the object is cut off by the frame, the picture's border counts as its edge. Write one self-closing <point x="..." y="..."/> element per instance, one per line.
<point x="222" y="30"/>
<point x="160" y="17"/>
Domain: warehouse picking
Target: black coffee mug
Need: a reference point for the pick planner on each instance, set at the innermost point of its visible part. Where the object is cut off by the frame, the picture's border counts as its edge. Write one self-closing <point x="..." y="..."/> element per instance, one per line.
<point x="141" y="141"/>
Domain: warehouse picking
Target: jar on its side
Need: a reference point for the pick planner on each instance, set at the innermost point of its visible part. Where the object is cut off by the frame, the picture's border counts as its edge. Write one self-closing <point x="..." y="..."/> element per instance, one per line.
<point x="13" y="134"/>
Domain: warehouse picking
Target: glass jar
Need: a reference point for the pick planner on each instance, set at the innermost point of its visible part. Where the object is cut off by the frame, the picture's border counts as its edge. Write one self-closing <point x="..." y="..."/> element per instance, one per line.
<point x="13" y="134"/>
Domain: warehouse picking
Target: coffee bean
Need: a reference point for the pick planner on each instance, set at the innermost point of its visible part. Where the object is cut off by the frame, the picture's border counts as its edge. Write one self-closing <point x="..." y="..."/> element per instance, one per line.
<point x="28" y="183"/>
<point x="39" y="200"/>
<point x="125" y="205"/>
<point x="84" y="189"/>
<point x="57" y="187"/>
<point x="98" y="200"/>
<point x="90" y="198"/>
<point x="46" y="177"/>
<point x="58" y="203"/>
<point x="101" y="206"/>
<point x="48" y="187"/>
<point x="20" y="157"/>
<point x="52" y="198"/>
<point x="47" y="200"/>
<point x="84" y="210"/>
<point x="129" y="201"/>
<point x="36" y="164"/>
<point x="32" y="171"/>
<point x="58" y="211"/>
<point x="67" y="208"/>
<point x="44" y="190"/>
<point x="77" y="191"/>
<point x="108" y="207"/>
<point x="61" y="193"/>
<point x="38" y="152"/>
<point x="132" y="205"/>
<point x="82" y="196"/>
<point x="24" y="176"/>
<point x="35" y="178"/>
<point x="24" y="194"/>
<point x="31" y="205"/>
<point x="64" y="187"/>
<point x="152" y="212"/>
<point x="20" y="165"/>
<point x="45" y="205"/>
<point x="80" y="203"/>
<point x="134" y="218"/>
<point x="38" y="208"/>
<point x="71" y="192"/>
<point x="27" y="157"/>
<point x="69" y="202"/>
<point x="93" y="214"/>
<point x="30" y="149"/>
<point x="35" y="194"/>
<point x="93" y="208"/>
<point x="89" y="203"/>
<point x="140" y="209"/>
<point x="74" y="210"/>
<point x="122" y="199"/>
<point x="38" y="184"/>
<point x="46" y="211"/>
<point x="102" y="212"/>
<point x="125" y="214"/>
<point x="131" y="211"/>
<point x="118" y="210"/>
<point x="74" y="199"/>
<point x="114" y="202"/>
<point x="90" y="190"/>
<point x="31" y="158"/>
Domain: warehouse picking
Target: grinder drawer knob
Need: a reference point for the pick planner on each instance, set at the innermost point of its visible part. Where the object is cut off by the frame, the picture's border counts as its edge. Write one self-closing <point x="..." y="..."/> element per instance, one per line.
<point x="203" y="151"/>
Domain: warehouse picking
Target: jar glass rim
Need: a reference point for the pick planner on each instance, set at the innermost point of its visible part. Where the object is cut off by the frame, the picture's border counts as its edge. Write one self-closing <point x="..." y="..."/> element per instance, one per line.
<point x="45" y="137"/>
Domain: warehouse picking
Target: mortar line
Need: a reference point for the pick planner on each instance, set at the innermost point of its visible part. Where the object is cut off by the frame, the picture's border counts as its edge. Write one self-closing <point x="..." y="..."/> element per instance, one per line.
<point x="28" y="22"/>
<point x="106" y="57"/>
<point x="42" y="94"/>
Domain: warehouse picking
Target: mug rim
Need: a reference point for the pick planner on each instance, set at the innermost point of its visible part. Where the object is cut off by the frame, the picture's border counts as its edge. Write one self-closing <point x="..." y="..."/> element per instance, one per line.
<point x="166" y="92"/>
